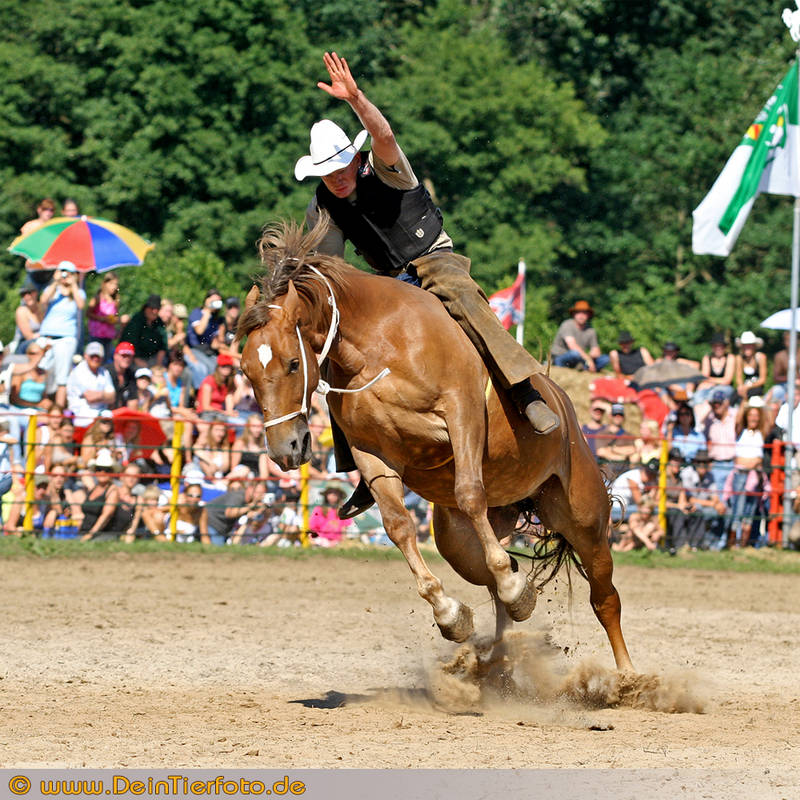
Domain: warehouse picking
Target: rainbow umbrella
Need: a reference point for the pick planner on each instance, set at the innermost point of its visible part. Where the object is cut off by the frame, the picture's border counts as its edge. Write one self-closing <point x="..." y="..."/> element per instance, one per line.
<point x="88" y="242"/>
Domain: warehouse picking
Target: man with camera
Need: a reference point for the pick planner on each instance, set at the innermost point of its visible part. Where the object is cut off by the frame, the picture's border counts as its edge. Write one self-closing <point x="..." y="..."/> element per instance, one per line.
<point x="201" y="336"/>
<point x="64" y="301"/>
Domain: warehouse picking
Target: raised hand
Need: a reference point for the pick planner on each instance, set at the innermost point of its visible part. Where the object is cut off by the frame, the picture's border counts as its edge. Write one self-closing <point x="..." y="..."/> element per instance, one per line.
<point x="343" y="85"/>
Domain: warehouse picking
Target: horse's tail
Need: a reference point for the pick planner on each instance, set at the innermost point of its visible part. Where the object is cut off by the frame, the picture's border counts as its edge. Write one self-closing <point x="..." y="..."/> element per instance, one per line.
<point x="550" y="551"/>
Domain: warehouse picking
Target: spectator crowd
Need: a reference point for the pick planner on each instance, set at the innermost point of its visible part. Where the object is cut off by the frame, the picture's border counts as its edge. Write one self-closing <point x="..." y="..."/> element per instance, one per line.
<point x="107" y="386"/>
<point x="702" y="455"/>
<point x="120" y="394"/>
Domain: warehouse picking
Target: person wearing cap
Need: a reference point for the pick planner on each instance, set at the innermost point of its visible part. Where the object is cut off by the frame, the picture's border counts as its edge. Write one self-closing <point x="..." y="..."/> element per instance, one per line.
<point x="751" y="366"/>
<point x="575" y="343"/>
<point x="595" y="428"/>
<point x="63" y="300"/>
<point x="616" y="453"/>
<point x="406" y="240"/>
<point x="203" y="326"/>
<point x="217" y="390"/>
<point x="719" y="428"/>
<point x="143" y="399"/>
<point x="122" y="373"/>
<point x="627" y="358"/>
<point x="90" y="389"/>
<point x="704" y="504"/>
<point x="147" y="333"/>
<point x="27" y="317"/>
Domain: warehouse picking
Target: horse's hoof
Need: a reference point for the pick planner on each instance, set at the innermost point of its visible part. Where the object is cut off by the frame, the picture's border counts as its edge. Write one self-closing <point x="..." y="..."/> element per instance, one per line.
<point x="521" y="608"/>
<point x="461" y="628"/>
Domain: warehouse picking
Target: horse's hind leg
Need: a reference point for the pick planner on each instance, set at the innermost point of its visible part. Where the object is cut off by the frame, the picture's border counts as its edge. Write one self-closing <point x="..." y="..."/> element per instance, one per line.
<point x="514" y="589"/>
<point x="586" y="529"/>
<point x="454" y="619"/>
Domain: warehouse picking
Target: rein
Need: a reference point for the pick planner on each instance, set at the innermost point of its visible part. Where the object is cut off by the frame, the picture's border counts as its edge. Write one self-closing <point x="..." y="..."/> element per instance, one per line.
<point x="323" y="387"/>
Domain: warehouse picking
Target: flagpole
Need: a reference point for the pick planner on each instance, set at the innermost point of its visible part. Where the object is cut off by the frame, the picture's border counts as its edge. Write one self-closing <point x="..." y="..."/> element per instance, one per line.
<point x="792" y="372"/>
<point x="521" y="323"/>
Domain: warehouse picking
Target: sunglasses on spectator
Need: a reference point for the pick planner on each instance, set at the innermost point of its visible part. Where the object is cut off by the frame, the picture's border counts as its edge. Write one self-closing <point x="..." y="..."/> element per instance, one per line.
<point x="194" y="496"/>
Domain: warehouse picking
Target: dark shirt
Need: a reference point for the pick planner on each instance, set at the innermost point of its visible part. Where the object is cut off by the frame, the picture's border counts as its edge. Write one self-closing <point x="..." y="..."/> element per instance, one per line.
<point x="233" y="498"/>
<point x="147" y="340"/>
<point x="202" y="342"/>
<point x="594" y="437"/>
<point x="126" y="389"/>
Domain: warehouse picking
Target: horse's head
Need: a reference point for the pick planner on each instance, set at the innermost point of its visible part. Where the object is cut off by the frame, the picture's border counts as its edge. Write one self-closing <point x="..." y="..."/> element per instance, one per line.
<point x="284" y="372"/>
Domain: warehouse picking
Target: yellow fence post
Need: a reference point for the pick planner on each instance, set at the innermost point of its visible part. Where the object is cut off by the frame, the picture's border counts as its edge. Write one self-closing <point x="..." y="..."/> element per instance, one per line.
<point x="304" y="493"/>
<point x="30" y="468"/>
<point x="175" y="478"/>
<point x="662" y="485"/>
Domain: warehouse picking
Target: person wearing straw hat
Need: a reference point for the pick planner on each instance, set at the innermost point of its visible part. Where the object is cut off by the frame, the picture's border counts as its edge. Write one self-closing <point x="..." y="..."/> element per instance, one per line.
<point x="575" y="343"/>
<point x="405" y="240"/>
<point x="751" y="366"/>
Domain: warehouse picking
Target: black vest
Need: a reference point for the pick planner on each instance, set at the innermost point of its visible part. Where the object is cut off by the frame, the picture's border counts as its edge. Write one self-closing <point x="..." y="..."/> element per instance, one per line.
<point x="389" y="227"/>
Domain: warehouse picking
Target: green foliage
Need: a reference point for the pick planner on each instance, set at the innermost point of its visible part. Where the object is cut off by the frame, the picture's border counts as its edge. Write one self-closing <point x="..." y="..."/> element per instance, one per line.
<point x="576" y="134"/>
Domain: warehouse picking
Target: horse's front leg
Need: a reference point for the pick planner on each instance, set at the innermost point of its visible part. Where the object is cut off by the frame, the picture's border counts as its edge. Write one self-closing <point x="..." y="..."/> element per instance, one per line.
<point x="453" y="617"/>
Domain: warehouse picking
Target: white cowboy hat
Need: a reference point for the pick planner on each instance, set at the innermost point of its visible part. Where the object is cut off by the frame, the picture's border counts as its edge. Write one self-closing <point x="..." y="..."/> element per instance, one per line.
<point x="331" y="149"/>
<point x="748" y="337"/>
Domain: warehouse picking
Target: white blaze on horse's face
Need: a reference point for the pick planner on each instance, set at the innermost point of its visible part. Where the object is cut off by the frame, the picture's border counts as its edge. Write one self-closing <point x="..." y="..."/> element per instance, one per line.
<point x="282" y="374"/>
<point x="264" y="354"/>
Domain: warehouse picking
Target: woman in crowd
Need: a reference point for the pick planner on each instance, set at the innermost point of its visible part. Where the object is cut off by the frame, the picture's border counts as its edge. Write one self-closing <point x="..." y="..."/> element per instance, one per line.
<point x="192" y="522"/>
<point x="249" y="448"/>
<point x="129" y="512"/>
<point x="98" y="502"/>
<point x="682" y="434"/>
<point x="99" y="434"/>
<point x="64" y="300"/>
<point x="751" y="366"/>
<point x="324" y="521"/>
<point x="648" y="445"/>
<point x="212" y="451"/>
<point x="63" y="450"/>
<point x="745" y="483"/>
<point x="216" y="392"/>
<point x="28" y="318"/>
<point x="718" y="367"/>
<point x="103" y="314"/>
<point x="47" y="432"/>
<point x="27" y="395"/>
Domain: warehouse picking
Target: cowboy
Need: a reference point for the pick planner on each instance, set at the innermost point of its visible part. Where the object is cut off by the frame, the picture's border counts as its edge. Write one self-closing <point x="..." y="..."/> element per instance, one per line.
<point x="375" y="200"/>
<point x="575" y="344"/>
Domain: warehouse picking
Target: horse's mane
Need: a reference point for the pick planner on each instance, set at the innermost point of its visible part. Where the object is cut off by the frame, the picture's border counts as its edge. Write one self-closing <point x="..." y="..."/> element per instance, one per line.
<point x="287" y="252"/>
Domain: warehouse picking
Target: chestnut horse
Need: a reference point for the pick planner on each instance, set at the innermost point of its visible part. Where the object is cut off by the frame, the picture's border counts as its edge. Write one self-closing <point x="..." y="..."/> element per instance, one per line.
<point x="416" y="404"/>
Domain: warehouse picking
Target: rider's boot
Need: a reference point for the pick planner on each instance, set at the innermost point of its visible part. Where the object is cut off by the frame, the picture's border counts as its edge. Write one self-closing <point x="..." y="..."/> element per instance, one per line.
<point x="531" y="405"/>
<point x="359" y="502"/>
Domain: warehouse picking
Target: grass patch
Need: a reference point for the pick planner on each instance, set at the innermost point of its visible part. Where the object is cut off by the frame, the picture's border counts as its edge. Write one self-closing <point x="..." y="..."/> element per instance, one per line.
<point x="748" y="560"/>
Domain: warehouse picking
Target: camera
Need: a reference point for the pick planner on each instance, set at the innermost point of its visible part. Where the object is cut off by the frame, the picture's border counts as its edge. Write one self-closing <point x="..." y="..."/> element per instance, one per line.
<point x="216" y="305"/>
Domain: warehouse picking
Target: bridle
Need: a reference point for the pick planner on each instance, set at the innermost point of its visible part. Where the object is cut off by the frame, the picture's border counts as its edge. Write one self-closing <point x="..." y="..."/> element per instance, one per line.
<point x="323" y="387"/>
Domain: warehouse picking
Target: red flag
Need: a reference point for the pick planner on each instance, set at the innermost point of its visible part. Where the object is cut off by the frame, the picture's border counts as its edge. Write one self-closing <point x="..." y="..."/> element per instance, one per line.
<point x="507" y="303"/>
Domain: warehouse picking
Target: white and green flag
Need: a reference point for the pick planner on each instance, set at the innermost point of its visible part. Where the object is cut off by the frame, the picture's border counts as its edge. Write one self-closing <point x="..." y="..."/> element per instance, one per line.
<point x="766" y="160"/>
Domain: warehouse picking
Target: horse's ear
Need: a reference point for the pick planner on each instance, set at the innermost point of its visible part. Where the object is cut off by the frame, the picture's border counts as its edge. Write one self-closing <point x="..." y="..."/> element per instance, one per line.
<point x="291" y="305"/>
<point x="252" y="298"/>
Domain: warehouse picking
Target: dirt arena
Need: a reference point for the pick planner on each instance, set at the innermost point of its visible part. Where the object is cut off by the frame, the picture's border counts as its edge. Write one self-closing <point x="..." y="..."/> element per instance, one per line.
<point x="199" y="660"/>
